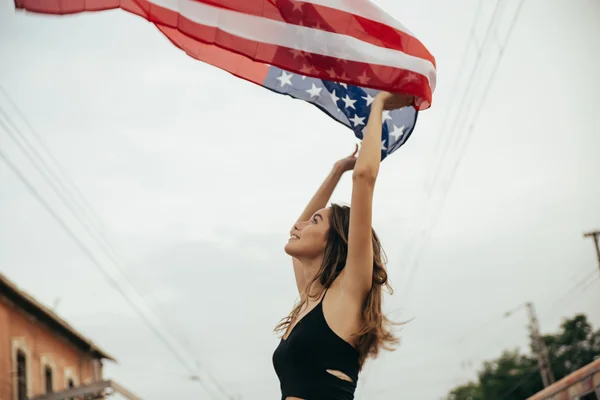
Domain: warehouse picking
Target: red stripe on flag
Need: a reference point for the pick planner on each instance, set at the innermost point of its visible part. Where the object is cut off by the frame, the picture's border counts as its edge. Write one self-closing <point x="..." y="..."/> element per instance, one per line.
<point x="324" y="67"/>
<point x="329" y="20"/>
<point x="231" y="62"/>
<point x="246" y="58"/>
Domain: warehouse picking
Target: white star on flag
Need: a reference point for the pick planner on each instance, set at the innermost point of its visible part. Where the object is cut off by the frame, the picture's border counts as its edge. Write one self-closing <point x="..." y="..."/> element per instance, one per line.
<point x="285" y="79"/>
<point x="356" y="120"/>
<point x="398" y="131"/>
<point x="314" y="91"/>
<point x="312" y="46"/>
<point x="369" y="99"/>
<point x="334" y="97"/>
<point x="383" y="145"/>
<point x="349" y="102"/>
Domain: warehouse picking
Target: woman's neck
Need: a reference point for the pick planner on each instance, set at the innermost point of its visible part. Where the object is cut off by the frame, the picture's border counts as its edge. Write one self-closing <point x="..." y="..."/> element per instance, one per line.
<point x="311" y="269"/>
<point x="315" y="288"/>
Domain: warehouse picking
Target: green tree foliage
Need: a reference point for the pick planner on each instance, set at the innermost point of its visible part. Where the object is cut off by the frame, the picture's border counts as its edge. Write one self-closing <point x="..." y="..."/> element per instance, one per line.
<point x="470" y="391"/>
<point x="516" y="376"/>
<point x="575" y="346"/>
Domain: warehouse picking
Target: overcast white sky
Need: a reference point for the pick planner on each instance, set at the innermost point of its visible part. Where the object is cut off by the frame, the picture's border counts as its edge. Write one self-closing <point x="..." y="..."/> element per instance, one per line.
<point x="197" y="176"/>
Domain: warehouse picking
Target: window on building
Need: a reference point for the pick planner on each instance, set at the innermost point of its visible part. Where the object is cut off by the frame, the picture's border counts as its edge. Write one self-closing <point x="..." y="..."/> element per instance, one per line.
<point x="70" y="385"/>
<point x="589" y="396"/>
<point x="48" y="378"/>
<point x="21" y="375"/>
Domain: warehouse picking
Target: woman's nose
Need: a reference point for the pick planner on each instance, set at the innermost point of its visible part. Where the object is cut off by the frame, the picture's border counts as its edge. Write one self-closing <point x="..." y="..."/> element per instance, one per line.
<point x="299" y="225"/>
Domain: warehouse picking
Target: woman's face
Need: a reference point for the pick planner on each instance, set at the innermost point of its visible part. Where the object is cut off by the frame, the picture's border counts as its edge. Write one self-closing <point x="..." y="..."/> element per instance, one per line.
<point x="308" y="239"/>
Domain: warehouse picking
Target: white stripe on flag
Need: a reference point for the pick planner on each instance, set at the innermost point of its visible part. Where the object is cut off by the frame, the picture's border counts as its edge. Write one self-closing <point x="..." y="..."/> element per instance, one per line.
<point x="362" y="8"/>
<point x="302" y="38"/>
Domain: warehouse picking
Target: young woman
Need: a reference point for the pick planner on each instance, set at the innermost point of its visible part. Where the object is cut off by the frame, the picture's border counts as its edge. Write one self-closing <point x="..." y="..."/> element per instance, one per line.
<point x="339" y="268"/>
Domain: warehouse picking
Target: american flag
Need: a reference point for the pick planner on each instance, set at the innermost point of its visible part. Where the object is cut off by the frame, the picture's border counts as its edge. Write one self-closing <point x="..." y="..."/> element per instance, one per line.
<point x="336" y="54"/>
<point x="350" y="105"/>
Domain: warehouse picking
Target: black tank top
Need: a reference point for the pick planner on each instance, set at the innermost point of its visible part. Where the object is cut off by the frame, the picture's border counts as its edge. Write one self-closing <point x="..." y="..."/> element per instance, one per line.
<point x="301" y="361"/>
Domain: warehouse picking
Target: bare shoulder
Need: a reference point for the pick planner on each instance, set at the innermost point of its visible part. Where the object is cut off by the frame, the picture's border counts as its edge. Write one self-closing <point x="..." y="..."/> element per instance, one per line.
<point x="343" y="312"/>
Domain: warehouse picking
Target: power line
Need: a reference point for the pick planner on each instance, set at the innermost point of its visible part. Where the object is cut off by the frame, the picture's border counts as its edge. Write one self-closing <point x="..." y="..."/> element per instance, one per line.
<point x="462" y="64"/>
<point x="464" y="111"/>
<point x="487" y="38"/>
<point x="462" y="67"/>
<point x="589" y="283"/>
<point x="456" y="125"/>
<point x="418" y="217"/>
<point x="57" y="189"/>
<point x="97" y="233"/>
<point x="479" y="327"/>
<point x="582" y="284"/>
<point x="85" y="249"/>
<point x="87" y="207"/>
<point x="545" y="305"/>
<point x="408" y="249"/>
<point x="579" y="287"/>
<point x="526" y="378"/>
<point x="572" y="289"/>
<point x="469" y="132"/>
<point x="425" y="355"/>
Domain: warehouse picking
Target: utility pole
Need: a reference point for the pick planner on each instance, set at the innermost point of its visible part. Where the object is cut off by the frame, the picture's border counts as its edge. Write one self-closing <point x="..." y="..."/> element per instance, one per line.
<point x="596" y="236"/>
<point x="539" y="347"/>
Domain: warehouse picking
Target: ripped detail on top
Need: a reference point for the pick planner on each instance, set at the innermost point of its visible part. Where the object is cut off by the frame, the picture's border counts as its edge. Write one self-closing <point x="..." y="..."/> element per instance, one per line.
<point x="340" y="375"/>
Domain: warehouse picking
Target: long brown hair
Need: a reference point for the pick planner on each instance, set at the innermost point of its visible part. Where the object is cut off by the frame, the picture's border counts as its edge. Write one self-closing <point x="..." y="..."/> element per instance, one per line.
<point x="375" y="331"/>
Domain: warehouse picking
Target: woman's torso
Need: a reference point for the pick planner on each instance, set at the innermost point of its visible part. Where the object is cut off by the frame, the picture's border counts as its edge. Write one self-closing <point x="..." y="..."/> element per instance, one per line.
<point x="312" y="361"/>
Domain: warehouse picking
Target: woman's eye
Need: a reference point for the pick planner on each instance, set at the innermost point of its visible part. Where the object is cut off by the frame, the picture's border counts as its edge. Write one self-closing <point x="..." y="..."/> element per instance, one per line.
<point x="314" y="220"/>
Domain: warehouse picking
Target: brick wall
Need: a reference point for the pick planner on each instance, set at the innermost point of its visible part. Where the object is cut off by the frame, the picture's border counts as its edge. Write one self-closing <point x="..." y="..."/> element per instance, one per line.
<point x="43" y="347"/>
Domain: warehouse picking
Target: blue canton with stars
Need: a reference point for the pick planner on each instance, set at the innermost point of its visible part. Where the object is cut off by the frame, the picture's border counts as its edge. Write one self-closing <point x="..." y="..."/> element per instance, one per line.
<point x="347" y="104"/>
